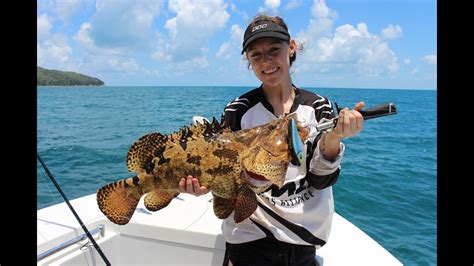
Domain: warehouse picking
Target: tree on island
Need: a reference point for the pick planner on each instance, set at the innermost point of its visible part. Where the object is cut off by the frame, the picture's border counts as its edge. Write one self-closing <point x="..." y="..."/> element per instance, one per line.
<point x="50" y="77"/>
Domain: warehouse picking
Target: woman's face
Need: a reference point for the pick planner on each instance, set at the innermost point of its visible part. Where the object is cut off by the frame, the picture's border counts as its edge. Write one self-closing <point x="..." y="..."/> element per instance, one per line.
<point x="270" y="59"/>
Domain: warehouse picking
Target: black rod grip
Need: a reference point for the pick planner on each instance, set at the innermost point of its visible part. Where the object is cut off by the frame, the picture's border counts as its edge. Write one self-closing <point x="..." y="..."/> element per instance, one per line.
<point x="378" y="111"/>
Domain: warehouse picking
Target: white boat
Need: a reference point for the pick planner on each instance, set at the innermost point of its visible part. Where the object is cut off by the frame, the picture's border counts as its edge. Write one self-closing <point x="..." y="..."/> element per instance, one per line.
<point x="185" y="233"/>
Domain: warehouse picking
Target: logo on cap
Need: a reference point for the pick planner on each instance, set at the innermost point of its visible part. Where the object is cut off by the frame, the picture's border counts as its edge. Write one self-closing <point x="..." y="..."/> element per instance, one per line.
<point x="263" y="26"/>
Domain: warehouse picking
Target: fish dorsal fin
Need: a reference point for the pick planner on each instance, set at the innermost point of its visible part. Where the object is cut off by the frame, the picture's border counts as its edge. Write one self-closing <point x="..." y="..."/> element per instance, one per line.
<point x="215" y="124"/>
<point x="141" y="153"/>
<point x="206" y="129"/>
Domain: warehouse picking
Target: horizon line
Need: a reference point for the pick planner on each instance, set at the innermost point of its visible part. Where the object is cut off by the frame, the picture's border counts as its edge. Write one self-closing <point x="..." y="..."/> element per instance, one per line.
<point x="321" y="87"/>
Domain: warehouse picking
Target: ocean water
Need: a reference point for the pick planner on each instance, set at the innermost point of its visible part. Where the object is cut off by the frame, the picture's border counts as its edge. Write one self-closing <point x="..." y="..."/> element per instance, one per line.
<point x="387" y="185"/>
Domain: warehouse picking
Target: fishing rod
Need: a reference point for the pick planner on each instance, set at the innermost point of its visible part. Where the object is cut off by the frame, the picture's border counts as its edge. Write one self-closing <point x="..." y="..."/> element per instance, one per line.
<point x="50" y="175"/>
<point x="327" y="125"/>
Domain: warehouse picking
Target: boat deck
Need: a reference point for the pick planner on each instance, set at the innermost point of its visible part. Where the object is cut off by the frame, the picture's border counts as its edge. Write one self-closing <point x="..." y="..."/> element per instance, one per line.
<point x="185" y="232"/>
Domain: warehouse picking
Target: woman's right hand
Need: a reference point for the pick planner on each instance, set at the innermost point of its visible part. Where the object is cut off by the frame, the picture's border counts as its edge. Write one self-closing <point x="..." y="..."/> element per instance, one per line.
<point x="191" y="185"/>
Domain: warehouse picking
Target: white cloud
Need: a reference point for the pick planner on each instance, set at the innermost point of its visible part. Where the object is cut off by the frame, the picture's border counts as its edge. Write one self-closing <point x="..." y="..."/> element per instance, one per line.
<point x="292" y="4"/>
<point x="236" y="33"/>
<point x="320" y="10"/>
<point x="53" y="46"/>
<point x="320" y="24"/>
<point x="191" y="66"/>
<point x="232" y="47"/>
<point x="104" y="59"/>
<point x="54" y="52"/>
<point x="122" y="65"/>
<point x="184" y="50"/>
<point x="243" y="15"/>
<point x="430" y="59"/>
<point x="195" y="22"/>
<point x="347" y="49"/>
<point x="45" y="4"/>
<point x="224" y="50"/>
<point x="84" y="38"/>
<point x="407" y="61"/>
<point x="108" y="42"/>
<point x="44" y="26"/>
<point x="127" y="24"/>
<point x="231" y="64"/>
<point x="271" y="6"/>
<point x="65" y="9"/>
<point x="392" y="32"/>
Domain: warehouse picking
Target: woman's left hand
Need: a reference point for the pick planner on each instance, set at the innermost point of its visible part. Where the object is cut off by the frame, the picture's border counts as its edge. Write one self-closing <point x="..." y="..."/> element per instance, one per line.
<point x="350" y="122"/>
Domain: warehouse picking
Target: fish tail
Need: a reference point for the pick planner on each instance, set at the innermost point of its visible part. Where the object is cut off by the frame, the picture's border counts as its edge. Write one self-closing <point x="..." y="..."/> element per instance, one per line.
<point x="118" y="200"/>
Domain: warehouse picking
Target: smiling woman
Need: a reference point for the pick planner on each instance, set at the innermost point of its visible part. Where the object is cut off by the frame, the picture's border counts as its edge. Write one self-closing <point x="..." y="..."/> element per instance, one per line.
<point x="360" y="44"/>
<point x="283" y="233"/>
<point x="277" y="32"/>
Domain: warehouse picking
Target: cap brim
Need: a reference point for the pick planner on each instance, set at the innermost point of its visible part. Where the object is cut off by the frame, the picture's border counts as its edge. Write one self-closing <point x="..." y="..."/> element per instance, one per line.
<point x="271" y="34"/>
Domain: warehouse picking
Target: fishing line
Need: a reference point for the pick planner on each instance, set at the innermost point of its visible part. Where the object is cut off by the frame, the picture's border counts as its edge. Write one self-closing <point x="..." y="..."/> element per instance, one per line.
<point x="50" y="175"/>
<point x="45" y="181"/>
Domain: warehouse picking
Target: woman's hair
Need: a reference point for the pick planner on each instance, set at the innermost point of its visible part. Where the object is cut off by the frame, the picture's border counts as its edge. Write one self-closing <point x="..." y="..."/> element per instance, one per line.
<point x="279" y="21"/>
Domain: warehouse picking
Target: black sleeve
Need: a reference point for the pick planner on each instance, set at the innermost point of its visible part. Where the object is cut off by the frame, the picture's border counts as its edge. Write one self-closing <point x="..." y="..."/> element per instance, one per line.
<point x="230" y="118"/>
<point x="320" y="182"/>
<point x="235" y="110"/>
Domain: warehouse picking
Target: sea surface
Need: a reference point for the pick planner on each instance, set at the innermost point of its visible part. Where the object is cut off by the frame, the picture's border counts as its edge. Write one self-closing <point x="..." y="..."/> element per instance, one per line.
<point x="387" y="184"/>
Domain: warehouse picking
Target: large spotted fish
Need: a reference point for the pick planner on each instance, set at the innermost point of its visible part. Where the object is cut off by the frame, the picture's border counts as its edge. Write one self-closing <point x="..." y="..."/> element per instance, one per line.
<point x="233" y="165"/>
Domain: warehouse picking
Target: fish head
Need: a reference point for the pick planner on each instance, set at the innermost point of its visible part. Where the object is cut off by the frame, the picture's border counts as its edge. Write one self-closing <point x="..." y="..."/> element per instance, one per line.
<point x="266" y="160"/>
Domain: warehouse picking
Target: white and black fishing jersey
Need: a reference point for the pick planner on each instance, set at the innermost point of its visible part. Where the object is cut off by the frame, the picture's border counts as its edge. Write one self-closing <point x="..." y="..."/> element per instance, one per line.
<point x="301" y="211"/>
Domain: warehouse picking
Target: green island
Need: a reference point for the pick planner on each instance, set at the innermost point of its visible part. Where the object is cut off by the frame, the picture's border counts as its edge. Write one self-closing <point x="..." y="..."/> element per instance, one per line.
<point x="51" y="77"/>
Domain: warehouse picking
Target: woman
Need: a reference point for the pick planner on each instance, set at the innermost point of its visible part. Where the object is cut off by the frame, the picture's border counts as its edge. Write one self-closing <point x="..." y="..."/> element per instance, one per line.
<point x="290" y="222"/>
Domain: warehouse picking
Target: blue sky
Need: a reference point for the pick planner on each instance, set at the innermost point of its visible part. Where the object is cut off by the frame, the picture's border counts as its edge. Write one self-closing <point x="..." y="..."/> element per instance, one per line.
<point x="346" y="43"/>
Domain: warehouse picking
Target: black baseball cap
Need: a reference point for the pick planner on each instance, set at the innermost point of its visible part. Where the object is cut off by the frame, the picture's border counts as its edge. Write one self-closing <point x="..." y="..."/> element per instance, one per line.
<point x="264" y="28"/>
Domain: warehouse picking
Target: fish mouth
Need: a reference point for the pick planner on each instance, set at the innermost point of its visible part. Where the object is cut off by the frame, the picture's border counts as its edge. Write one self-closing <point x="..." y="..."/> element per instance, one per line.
<point x="256" y="176"/>
<point x="257" y="181"/>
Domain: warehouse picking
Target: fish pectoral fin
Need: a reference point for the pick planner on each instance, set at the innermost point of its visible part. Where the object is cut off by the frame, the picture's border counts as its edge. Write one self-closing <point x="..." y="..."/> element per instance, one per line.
<point x="158" y="199"/>
<point x="118" y="200"/>
<point x="223" y="207"/>
<point x="245" y="204"/>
